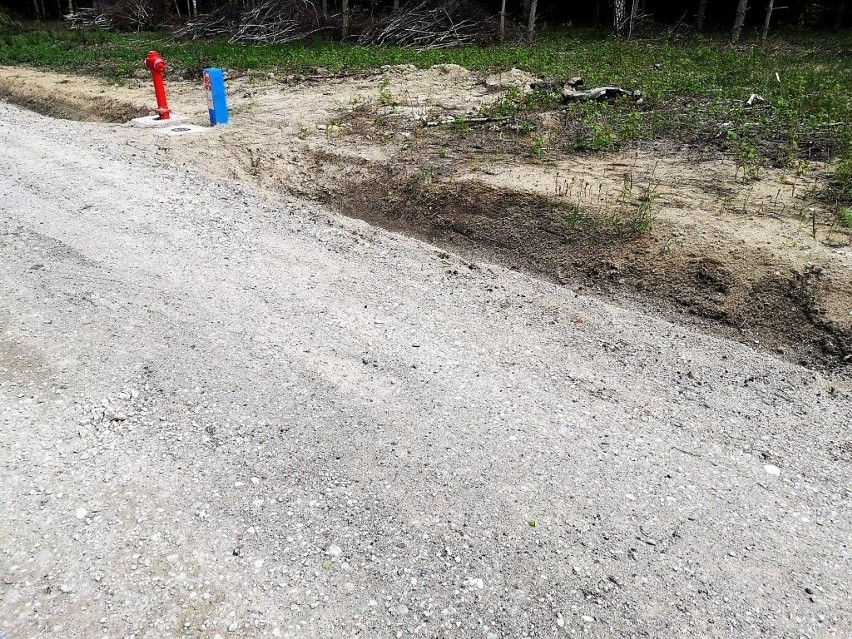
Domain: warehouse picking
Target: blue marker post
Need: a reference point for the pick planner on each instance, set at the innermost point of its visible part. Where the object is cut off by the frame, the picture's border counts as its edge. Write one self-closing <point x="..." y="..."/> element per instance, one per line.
<point x="214" y="86"/>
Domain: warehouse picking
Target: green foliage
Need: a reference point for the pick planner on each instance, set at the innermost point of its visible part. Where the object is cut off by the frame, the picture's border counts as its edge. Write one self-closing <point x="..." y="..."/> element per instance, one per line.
<point x="600" y="216"/>
<point x="748" y="159"/>
<point x="386" y="98"/>
<point x="841" y="180"/>
<point x="517" y="104"/>
<point x="539" y="146"/>
<point x="595" y="133"/>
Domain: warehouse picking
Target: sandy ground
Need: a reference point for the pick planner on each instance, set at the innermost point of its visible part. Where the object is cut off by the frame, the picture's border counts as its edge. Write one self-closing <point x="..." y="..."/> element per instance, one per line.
<point x="221" y="415"/>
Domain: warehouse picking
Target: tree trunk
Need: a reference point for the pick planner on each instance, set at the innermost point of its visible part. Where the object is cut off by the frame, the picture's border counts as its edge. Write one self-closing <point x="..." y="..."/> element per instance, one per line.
<point x="526" y="13"/>
<point x="702" y="12"/>
<point x="742" y="7"/>
<point x="531" y="22"/>
<point x="177" y="8"/>
<point x="503" y="21"/>
<point x="344" y="9"/>
<point x="36" y="11"/>
<point x="838" y="19"/>
<point x="769" y="9"/>
<point x="325" y="9"/>
<point x="194" y="8"/>
<point x="633" y="6"/>
<point x="395" y="6"/>
<point x="619" y="14"/>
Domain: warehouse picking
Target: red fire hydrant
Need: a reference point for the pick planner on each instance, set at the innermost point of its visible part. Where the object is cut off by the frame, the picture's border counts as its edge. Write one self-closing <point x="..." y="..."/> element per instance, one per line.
<point x="155" y="63"/>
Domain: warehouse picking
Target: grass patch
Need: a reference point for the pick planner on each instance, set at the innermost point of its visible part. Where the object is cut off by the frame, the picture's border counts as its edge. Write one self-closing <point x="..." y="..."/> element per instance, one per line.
<point x="694" y="90"/>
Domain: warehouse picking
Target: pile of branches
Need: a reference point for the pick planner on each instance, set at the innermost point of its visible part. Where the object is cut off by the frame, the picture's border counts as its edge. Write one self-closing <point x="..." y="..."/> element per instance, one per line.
<point x="88" y="20"/>
<point x="267" y="22"/>
<point x="125" y="15"/>
<point x="431" y="24"/>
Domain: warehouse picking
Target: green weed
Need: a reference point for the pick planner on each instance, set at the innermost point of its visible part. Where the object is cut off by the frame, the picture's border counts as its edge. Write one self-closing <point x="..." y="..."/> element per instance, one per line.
<point x="539" y="146"/>
<point x="386" y="98"/>
<point x="598" y="215"/>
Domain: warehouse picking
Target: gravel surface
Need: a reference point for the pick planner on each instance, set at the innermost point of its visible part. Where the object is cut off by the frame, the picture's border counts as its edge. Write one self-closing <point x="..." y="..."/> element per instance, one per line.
<point x="225" y="416"/>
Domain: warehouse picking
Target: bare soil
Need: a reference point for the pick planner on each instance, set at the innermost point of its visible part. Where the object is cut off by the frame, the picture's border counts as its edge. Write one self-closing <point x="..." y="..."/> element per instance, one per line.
<point x="760" y="261"/>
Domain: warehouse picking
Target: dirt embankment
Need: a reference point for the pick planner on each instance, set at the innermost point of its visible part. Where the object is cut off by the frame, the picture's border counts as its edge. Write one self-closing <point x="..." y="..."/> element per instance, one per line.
<point x="759" y="261"/>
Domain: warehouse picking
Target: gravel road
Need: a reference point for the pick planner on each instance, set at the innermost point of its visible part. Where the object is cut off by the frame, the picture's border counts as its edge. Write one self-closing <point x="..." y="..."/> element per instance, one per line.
<point x="223" y="415"/>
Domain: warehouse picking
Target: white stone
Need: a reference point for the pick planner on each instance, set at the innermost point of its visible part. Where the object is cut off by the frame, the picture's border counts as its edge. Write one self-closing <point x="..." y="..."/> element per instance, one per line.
<point x="772" y="469"/>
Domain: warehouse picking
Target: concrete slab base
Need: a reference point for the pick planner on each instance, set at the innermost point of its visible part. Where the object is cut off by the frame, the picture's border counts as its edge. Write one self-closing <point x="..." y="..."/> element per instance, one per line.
<point x="183" y="129"/>
<point x="155" y="121"/>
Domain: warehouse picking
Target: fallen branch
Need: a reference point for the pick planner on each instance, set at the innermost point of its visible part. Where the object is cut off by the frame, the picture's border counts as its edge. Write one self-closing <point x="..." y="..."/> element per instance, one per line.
<point x="479" y="119"/>
<point x="598" y="93"/>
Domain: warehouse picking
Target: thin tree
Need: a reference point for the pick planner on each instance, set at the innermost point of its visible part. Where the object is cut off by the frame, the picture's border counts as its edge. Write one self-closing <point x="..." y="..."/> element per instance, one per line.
<point x="531" y="22"/>
<point x="344" y="9"/>
<point x="633" y="5"/>
<point x="502" y="20"/>
<point x="742" y="7"/>
<point x="702" y="13"/>
<point x="395" y="6"/>
<point x="769" y="8"/>
<point x="39" y="13"/>
<point x="838" y="20"/>
<point x="619" y="13"/>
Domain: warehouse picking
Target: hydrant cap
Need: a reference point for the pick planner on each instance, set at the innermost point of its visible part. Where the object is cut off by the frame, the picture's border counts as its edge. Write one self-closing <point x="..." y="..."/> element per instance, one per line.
<point x="154" y="61"/>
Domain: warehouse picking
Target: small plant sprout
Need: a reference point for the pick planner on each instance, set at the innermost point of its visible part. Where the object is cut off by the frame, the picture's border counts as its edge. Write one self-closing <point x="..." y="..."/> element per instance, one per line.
<point x="386" y="97"/>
